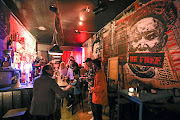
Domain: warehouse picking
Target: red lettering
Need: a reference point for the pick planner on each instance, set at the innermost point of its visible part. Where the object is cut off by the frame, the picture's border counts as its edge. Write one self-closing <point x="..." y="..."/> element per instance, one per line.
<point x="141" y="59"/>
<point x="152" y="59"/>
<point x="158" y="60"/>
<point x="146" y="60"/>
<point x="133" y="58"/>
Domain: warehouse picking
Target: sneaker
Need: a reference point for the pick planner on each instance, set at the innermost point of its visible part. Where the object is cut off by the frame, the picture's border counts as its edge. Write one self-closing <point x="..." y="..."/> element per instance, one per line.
<point x="92" y="118"/>
<point x="90" y="112"/>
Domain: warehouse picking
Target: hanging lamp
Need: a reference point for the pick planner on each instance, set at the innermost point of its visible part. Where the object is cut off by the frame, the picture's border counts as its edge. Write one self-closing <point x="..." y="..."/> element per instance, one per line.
<point x="55" y="50"/>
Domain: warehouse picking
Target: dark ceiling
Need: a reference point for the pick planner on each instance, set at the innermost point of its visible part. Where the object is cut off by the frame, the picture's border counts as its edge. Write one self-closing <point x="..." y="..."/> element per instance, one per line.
<point x="36" y="13"/>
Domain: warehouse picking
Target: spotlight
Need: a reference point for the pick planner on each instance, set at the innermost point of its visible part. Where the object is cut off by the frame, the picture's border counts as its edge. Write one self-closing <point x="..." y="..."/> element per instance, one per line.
<point x="77" y="32"/>
<point x="99" y="9"/>
<point x="53" y="8"/>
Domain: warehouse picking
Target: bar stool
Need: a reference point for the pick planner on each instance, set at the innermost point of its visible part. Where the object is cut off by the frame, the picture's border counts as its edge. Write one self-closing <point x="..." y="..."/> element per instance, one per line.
<point x="15" y="114"/>
<point x="112" y="103"/>
<point x="80" y="103"/>
<point x="124" y="104"/>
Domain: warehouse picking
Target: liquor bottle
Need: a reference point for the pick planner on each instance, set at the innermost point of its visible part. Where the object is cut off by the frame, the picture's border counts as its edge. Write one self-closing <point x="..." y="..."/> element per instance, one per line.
<point x="138" y="88"/>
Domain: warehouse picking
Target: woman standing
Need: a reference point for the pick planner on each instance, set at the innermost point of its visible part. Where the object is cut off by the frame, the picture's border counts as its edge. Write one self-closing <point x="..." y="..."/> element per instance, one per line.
<point x="63" y="69"/>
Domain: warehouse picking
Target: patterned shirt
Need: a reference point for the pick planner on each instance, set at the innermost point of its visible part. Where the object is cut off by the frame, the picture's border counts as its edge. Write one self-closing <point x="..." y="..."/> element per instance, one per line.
<point x="90" y="75"/>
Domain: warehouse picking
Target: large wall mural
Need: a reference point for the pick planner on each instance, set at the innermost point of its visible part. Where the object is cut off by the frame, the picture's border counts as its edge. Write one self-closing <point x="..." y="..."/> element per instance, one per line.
<point x="146" y="38"/>
<point x="148" y="29"/>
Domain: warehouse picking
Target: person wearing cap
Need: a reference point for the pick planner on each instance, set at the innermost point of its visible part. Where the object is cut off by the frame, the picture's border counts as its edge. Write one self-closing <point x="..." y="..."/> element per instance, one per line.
<point x="90" y="80"/>
<point x="99" y="90"/>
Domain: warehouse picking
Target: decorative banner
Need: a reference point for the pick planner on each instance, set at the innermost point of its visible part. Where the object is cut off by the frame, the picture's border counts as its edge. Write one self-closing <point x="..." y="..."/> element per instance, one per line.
<point x="147" y="59"/>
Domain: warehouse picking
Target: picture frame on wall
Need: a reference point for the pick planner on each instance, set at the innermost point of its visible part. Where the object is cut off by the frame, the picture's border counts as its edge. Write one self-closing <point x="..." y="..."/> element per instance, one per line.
<point x="113" y="73"/>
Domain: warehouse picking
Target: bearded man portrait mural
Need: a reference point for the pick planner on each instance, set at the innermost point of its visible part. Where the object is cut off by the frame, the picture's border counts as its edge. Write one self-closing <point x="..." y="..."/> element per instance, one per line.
<point x="147" y="35"/>
<point x="148" y="29"/>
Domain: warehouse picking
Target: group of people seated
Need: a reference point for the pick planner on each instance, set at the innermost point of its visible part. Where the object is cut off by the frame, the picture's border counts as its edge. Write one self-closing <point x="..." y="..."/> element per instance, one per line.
<point x="46" y="88"/>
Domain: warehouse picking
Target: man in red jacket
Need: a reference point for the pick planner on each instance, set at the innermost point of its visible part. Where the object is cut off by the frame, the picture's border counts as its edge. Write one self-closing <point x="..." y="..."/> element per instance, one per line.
<point x="99" y="91"/>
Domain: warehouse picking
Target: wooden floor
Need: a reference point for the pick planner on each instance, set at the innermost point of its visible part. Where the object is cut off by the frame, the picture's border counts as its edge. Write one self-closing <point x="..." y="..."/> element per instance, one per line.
<point x="66" y="113"/>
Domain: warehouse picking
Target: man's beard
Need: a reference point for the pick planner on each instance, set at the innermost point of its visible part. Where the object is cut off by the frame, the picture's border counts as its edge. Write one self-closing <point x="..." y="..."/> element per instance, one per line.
<point x="145" y="72"/>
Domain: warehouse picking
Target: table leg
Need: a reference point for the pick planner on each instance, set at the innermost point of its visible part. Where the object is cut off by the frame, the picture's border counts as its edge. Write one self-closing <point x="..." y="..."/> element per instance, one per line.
<point x="140" y="110"/>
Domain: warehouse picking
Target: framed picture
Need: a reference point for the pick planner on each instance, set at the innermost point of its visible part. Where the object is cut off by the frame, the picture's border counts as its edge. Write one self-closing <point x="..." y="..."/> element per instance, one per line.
<point x="113" y="73"/>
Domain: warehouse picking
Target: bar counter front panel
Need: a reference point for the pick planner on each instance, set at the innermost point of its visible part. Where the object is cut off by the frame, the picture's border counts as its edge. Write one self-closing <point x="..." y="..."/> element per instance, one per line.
<point x="12" y="98"/>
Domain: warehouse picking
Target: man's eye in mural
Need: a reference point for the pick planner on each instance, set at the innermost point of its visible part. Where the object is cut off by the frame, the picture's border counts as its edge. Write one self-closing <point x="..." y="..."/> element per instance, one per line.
<point x="97" y="50"/>
<point x="148" y="36"/>
<point x="137" y="38"/>
<point x="151" y="35"/>
<point x="141" y="47"/>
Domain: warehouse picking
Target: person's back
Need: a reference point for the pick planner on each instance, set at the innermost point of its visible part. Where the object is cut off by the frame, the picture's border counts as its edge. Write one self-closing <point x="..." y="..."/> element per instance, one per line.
<point x="42" y="88"/>
<point x="44" y="91"/>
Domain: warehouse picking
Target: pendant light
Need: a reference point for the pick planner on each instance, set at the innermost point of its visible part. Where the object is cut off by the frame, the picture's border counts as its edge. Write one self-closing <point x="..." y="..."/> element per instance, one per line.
<point x="55" y="50"/>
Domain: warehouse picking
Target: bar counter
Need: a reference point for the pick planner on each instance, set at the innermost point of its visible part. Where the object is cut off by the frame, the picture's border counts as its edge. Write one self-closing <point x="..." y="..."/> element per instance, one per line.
<point x="12" y="98"/>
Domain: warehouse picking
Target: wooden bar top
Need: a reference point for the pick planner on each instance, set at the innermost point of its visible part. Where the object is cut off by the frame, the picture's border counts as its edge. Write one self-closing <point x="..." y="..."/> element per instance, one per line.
<point x="30" y="86"/>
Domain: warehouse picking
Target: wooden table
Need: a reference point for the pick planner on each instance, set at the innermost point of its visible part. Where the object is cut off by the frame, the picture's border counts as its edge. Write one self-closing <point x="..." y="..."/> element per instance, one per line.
<point x="140" y="98"/>
<point x="62" y="82"/>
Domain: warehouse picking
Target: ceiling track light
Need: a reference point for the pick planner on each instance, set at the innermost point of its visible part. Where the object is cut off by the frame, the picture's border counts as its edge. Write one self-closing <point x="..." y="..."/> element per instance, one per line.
<point x="53" y="8"/>
<point x="79" y="32"/>
<point x="101" y="7"/>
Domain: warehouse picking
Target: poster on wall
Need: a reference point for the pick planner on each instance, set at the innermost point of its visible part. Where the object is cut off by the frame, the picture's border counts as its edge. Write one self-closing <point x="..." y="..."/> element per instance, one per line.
<point x="97" y="45"/>
<point x="150" y="30"/>
<point x="147" y="59"/>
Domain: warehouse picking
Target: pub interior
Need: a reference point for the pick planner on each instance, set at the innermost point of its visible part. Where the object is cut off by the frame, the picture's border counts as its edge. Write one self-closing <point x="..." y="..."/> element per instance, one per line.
<point x="97" y="60"/>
